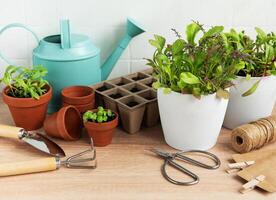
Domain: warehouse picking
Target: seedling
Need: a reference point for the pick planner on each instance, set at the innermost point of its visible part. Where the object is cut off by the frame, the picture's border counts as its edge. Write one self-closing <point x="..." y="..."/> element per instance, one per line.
<point x="99" y="116"/>
<point x="24" y="82"/>
<point x="199" y="67"/>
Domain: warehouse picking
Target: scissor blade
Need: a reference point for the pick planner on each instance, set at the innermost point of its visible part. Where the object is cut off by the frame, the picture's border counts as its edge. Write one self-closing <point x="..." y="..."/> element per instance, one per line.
<point x="160" y="152"/>
<point x="44" y="144"/>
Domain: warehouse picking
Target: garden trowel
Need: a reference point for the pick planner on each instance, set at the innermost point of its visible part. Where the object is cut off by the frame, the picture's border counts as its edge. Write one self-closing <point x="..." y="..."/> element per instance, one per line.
<point x="36" y="140"/>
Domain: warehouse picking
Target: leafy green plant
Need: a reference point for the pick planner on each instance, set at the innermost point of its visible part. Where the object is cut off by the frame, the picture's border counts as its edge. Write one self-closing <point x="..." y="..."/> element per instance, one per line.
<point x="24" y="82"/>
<point x="199" y="67"/>
<point x="101" y="115"/>
<point x="259" y="54"/>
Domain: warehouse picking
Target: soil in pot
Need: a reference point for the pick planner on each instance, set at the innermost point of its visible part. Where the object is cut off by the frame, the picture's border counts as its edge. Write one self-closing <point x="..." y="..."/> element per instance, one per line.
<point x="65" y="124"/>
<point x="99" y="89"/>
<point x="135" y="87"/>
<point x="134" y="90"/>
<point x="110" y="98"/>
<point x="132" y="103"/>
<point x="102" y="133"/>
<point x="116" y="96"/>
<point x="28" y="113"/>
<point x="120" y="81"/>
<point x="131" y="109"/>
<point x="138" y="76"/>
<point x="103" y="87"/>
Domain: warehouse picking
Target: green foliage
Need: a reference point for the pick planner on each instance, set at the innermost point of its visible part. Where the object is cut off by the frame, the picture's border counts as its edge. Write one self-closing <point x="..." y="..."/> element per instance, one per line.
<point x="259" y="54"/>
<point x="24" y="82"/>
<point x="252" y="89"/>
<point x="101" y="115"/>
<point x="198" y="67"/>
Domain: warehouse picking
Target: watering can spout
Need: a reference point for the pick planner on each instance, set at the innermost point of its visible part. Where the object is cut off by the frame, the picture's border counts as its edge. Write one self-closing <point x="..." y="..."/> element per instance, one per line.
<point x="133" y="29"/>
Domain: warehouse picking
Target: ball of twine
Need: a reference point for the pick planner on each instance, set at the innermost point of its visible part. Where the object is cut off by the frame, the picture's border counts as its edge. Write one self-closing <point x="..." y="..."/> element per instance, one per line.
<point x="254" y="135"/>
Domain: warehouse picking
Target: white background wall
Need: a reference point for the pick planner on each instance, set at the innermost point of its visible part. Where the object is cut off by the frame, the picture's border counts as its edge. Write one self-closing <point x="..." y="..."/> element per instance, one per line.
<point x="104" y="20"/>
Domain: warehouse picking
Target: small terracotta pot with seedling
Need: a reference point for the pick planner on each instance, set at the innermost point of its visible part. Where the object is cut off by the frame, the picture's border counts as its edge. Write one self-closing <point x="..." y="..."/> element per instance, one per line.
<point x="27" y="95"/>
<point x="100" y="124"/>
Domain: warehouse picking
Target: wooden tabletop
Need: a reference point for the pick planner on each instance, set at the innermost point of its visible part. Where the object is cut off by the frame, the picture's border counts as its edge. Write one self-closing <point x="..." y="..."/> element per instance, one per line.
<point x="125" y="171"/>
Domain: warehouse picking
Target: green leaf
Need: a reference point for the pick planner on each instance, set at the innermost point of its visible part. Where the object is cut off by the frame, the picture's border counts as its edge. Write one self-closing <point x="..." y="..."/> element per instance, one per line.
<point x="269" y="52"/>
<point x="248" y="76"/>
<point x="189" y="78"/>
<point x="160" y="40"/>
<point x="260" y="33"/>
<point x="156" y="85"/>
<point x="221" y="93"/>
<point x="178" y="46"/>
<point x="162" y="59"/>
<point x="155" y="44"/>
<point x="218" y="71"/>
<point x="167" y="90"/>
<point x="212" y="31"/>
<point x="252" y="89"/>
<point x="239" y="66"/>
<point x="191" y="32"/>
<point x="225" y="40"/>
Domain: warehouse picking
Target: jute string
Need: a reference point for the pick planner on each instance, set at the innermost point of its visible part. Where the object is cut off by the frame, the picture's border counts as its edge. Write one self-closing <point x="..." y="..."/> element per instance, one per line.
<point x="254" y="135"/>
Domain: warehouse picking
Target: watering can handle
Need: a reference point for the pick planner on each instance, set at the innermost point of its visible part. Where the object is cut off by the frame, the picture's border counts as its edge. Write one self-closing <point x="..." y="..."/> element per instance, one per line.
<point x="65" y="34"/>
<point x="14" y="25"/>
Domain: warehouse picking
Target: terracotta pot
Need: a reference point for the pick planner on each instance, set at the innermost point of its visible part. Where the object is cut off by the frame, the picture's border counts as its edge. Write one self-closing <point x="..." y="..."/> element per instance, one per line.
<point x="65" y="124"/>
<point x="28" y="113"/>
<point x="101" y="133"/>
<point x="78" y="95"/>
<point x="82" y="108"/>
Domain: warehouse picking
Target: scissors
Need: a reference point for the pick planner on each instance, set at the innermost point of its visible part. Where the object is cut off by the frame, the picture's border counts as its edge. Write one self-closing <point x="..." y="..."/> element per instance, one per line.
<point x="170" y="160"/>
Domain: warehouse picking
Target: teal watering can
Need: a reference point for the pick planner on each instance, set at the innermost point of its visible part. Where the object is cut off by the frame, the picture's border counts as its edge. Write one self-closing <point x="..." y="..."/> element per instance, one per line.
<point x="72" y="59"/>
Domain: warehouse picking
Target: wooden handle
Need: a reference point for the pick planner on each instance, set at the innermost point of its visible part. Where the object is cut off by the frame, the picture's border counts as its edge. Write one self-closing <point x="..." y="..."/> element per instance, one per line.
<point x="9" y="131"/>
<point x="27" y="167"/>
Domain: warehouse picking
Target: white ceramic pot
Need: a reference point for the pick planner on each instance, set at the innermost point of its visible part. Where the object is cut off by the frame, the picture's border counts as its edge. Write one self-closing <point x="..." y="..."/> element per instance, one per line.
<point x="189" y="123"/>
<point x="242" y="110"/>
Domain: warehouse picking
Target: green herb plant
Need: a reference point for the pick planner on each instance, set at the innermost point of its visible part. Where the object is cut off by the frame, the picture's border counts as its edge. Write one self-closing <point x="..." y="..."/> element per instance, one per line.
<point x="24" y="82"/>
<point x="259" y="54"/>
<point x="99" y="116"/>
<point x="200" y="66"/>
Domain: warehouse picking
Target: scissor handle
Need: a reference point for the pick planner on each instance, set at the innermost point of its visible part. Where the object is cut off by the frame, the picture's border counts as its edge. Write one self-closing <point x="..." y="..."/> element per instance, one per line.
<point x="198" y="163"/>
<point x="169" y="161"/>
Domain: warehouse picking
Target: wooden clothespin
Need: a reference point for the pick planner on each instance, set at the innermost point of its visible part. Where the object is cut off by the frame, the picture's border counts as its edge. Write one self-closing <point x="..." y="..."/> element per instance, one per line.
<point x="233" y="167"/>
<point x="252" y="184"/>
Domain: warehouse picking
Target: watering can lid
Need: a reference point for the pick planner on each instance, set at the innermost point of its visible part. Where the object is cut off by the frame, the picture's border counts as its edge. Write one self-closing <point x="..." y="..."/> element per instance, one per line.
<point x="81" y="47"/>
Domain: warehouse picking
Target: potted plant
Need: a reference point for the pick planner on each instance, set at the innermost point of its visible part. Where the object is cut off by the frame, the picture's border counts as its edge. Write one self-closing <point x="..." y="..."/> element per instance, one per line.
<point x="100" y="124"/>
<point x="27" y="95"/>
<point x="254" y="93"/>
<point x="192" y="81"/>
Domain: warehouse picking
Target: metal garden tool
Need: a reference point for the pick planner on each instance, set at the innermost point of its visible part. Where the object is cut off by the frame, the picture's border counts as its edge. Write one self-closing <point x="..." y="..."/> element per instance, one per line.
<point x="170" y="160"/>
<point x="82" y="160"/>
<point x="36" y="140"/>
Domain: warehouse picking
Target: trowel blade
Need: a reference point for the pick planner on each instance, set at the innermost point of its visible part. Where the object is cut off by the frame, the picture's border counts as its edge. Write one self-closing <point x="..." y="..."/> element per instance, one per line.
<point x="44" y="144"/>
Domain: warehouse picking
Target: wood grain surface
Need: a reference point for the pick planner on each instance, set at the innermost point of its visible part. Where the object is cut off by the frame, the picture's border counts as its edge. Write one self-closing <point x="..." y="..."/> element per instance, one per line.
<point x="125" y="171"/>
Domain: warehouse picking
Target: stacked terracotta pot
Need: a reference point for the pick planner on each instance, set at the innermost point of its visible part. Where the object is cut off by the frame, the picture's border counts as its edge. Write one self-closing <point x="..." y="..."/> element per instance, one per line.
<point x="82" y="97"/>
